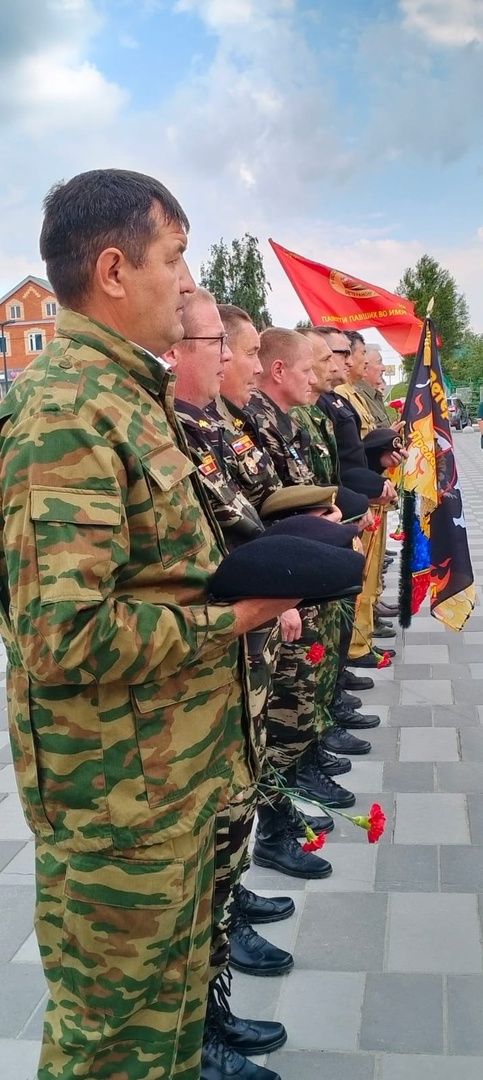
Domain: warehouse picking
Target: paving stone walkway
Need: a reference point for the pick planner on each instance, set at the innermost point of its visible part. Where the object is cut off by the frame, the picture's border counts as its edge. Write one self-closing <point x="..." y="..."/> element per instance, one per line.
<point x="388" y="977"/>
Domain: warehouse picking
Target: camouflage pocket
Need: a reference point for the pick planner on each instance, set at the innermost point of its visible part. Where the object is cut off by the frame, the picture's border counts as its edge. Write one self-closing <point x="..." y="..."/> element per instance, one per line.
<point x="178" y="518"/>
<point x="24" y="752"/>
<point x="181" y="731"/>
<point x="74" y="532"/>
<point x="119" y="920"/>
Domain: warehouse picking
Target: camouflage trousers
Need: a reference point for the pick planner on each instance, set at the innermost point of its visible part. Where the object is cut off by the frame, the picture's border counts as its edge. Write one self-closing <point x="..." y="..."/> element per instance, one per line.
<point x="291" y="706"/>
<point x="327" y="671"/>
<point x="234" y="825"/>
<point x="125" y="940"/>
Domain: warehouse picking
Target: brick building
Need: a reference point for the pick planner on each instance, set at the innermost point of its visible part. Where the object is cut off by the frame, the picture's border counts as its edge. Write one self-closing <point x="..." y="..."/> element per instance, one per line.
<point x="27" y="323"/>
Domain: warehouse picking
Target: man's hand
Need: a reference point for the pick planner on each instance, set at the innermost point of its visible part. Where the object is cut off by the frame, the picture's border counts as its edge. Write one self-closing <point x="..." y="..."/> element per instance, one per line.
<point x="366" y="520"/>
<point x="291" y="625"/>
<point x="389" y="494"/>
<point x="334" y="514"/>
<point x="250" y="614"/>
<point x="398" y="426"/>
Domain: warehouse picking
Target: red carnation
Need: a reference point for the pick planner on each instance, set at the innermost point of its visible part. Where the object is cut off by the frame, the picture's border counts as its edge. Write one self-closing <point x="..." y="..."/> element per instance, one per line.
<point x="314" y="844"/>
<point x="397" y="404"/>
<point x="398" y="535"/>
<point x="375" y="524"/>
<point x="385" y="661"/>
<point x="316" y="653"/>
<point x="377" y="823"/>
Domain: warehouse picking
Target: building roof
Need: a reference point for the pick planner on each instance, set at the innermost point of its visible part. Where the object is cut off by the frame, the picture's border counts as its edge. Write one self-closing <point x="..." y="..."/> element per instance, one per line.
<point x="30" y="277"/>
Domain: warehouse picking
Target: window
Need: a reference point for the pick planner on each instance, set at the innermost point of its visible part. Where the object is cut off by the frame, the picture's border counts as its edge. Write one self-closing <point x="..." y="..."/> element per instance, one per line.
<point x="15" y="311"/>
<point x="35" y="341"/>
<point x="50" y="309"/>
<point x="4" y="346"/>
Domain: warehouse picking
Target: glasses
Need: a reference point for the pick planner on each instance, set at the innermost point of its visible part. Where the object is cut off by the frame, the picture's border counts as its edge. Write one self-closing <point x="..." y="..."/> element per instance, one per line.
<point x="342" y="352"/>
<point x="221" y="338"/>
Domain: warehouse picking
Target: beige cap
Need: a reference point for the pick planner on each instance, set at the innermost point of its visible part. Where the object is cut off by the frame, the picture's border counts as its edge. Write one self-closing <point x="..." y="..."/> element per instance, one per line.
<point x="288" y="500"/>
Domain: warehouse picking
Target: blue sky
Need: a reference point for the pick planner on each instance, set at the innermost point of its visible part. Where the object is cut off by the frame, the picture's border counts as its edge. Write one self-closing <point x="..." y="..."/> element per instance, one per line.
<point x="352" y="133"/>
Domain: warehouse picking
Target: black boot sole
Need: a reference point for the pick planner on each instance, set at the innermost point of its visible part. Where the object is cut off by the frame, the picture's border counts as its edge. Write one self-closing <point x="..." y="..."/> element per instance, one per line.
<point x="328" y="770"/>
<point x="265" y="973"/>
<point x="272" y="865"/>
<point x="304" y="793"/>
<point x="256" y="1050"/>
<point x="351" y="753"/>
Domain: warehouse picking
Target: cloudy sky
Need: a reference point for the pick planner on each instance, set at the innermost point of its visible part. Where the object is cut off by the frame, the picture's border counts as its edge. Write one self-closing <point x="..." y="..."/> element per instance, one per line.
<point x="351" y="133"/>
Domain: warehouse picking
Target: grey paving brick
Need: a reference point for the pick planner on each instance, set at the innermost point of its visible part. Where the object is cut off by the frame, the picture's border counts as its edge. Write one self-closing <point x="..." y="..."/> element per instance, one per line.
<point x="256" y="998"/>
<point x="8" y="849"/>
<point x="464" y="654"/>
<point x="403" y="1014"/>
<point x="16" y="918"/>
<point x="472" y="745"/>
<point x="354" y="869"/>
<point x="458" y="716"/>
<point x="426" y="1067"/>
<point x="431" y="654"/>
<point x="21" y="988"/>
<point x="461" y="868"/>
<point x="420" y="638"/>
<point x="322" y="1009"/>
<point x="469" y="690"/>
<point x="384" y="744"/>
<point x="431" y="818"/>
<point x="426" y="692"/>
<point x="450" y="671"/>
<point x="349" y="936"/>
<point x="19" y="1058"/>
<point x="408" y="776"/>
<point x="411" y="671"/>
<point x="5" y="755"/>
<point x="428" y="744"/>
<point x="292" y="1065"/>
<point x="407" y="868"/>
<point x="431" y="932"/>
<point x="34" y="1026"/>
<point x="475" y="814"/>
<point x="465" y="1012"/>
<point x="461" y="777"/>
<point x="410" y="716"/>
<point x="261" y="879"/>
<point x="385" y="693"/>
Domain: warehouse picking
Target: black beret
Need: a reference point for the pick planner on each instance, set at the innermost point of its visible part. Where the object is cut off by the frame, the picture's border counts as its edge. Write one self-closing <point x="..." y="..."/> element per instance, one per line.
<point x="382" y="439"/>
<point x="311" y="527"/>
<point x="287" y="567"/>
<point x="364" y="481"/>
<point x="352" y="504"/>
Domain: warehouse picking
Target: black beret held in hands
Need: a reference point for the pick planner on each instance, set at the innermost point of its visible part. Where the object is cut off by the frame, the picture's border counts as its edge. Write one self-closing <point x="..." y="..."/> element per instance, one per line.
<point x="382" y="439"/>
<point x="311" y="527"/>
<point x="352" y="504"/>
<point x="288" y="567"/>
<point x="290" y="500"/>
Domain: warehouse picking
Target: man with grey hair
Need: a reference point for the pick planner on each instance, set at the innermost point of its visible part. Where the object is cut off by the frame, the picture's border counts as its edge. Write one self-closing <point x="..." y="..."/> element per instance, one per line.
<point x="369" y="387"/>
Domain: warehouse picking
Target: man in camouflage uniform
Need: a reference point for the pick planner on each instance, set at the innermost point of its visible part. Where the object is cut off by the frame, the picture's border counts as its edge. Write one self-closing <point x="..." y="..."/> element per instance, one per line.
<point x="337" y="709"/>
<point x="107" y="548"/>
<point x="286" y="380"/>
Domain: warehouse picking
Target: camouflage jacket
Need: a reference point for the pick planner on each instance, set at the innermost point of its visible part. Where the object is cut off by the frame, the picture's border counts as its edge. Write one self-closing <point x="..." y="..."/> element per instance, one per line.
<point x="283" y="438"/>
<point x="123" y="686"/>
<point x="323" y="447"/>
<point x="245" y="459"/>
<point x="237" y="519"/>
<point x="375" y="403"/>
<point x="360" y="405"/>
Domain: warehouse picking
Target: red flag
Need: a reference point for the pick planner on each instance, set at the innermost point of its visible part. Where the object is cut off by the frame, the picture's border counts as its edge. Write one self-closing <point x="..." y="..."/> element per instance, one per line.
<point x="333" y="298"/>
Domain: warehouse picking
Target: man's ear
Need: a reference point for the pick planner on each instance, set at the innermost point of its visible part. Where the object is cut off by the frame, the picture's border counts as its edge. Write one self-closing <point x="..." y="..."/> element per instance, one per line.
<point x="171" y="357"/>
<point x="277" y="369"/>
<point x="110" y="273"/>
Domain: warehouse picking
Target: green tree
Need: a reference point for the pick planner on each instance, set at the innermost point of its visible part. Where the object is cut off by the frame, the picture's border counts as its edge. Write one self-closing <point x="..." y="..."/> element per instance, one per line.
<point x="450" y="311"/>
<point x="237" y="276"/>
<point x="466" y="363"/>
<point x="303" y="324"/>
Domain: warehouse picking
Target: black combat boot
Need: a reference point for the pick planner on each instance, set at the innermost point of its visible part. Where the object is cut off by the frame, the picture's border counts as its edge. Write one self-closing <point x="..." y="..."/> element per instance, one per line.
<point x="277" y="847"/>
<point x="249" y="951"/>
<point x="331" y="764"/>
<point x="264" y="909"/>
<point x="248" y="1037"/>
<point x="218" y="1060"/>
<point x="311" y="781"/>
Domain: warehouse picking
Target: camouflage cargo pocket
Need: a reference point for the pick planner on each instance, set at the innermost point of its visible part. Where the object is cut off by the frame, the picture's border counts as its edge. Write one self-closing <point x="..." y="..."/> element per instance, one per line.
<point x="177" y="516"/>
<point x="119" y="920"/>
<point x="74" y="533"/>
<point x="181" y="730"/>
<point x="24" y="752"/>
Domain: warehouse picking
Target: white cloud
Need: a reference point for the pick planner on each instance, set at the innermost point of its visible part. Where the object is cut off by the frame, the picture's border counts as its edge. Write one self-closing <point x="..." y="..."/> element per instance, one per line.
<point x="219" y="14"/>
<point x="445" y="22"/>
<point x="46" y="82"/>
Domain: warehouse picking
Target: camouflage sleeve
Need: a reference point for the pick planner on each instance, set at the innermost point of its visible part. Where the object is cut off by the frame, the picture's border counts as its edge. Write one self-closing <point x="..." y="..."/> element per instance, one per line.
<point x="273" y="445"/>
<point x="66" y="544"/>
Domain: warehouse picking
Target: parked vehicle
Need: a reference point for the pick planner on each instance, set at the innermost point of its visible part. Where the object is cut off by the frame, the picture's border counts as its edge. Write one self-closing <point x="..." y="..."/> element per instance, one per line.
<point x="459" y="414"/>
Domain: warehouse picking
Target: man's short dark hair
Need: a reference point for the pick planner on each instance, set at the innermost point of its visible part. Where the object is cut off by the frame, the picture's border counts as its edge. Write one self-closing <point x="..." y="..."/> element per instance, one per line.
<point x="355" y="338"/>
<point x="93" y="211"/>
<point x="233" y="317"/>
<point x="323" y="331"/>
